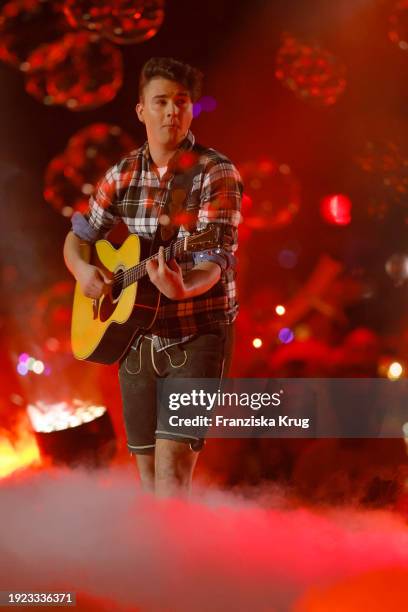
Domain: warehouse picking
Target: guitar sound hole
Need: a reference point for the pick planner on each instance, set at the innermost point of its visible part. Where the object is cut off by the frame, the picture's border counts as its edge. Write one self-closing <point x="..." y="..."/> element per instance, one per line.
<point x="117" y="285"/>
<point x="106" y="308"/>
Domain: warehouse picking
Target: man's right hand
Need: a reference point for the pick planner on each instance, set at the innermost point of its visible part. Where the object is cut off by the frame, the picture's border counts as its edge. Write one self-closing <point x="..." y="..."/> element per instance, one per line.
<point x="93" y="281"/>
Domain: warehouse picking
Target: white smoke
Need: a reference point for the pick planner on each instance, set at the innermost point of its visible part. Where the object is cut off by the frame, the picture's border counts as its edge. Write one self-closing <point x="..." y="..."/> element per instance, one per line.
<point x="96" y="533"/>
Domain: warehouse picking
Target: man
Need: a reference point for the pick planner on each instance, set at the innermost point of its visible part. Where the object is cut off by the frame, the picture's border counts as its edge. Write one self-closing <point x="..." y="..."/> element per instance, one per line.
<point x="192" y="334"/>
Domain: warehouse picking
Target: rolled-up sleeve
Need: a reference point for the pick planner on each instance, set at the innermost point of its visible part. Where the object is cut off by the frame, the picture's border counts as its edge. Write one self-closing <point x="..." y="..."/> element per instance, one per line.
<point x="219" y="256"/>
<point x="220" y="203"/>
<point x="102" y="214"/>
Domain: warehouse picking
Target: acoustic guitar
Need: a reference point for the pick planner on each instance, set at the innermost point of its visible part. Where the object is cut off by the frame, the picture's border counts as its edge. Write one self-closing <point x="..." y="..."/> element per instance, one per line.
<point x="103" y="329"/>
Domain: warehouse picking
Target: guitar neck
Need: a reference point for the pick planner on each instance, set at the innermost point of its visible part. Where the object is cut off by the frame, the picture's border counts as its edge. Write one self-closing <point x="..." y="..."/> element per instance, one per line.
<point x="132" y="275"/>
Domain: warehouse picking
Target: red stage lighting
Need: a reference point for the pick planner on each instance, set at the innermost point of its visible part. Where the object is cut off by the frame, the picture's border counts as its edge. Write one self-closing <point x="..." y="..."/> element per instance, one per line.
<point x="336" y="209"/>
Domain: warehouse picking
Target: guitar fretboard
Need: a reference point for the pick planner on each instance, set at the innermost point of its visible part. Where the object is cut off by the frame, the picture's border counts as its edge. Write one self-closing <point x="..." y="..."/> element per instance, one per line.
<point x="125" y="278"/>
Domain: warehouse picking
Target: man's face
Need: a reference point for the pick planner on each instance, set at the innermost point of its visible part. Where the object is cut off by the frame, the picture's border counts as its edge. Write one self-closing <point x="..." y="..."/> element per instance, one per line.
<point x="167" y="111"/>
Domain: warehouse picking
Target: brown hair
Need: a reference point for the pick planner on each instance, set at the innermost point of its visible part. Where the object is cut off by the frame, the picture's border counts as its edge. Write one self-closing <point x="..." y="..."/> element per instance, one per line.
<point x="173" y="70"/>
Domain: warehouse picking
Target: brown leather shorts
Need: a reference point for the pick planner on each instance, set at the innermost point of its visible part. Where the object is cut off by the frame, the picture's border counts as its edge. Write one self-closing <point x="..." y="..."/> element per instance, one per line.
<point x="207" y="355"/>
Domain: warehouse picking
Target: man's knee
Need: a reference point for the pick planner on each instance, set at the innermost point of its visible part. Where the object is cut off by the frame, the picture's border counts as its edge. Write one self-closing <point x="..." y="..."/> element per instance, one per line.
<point x="174" y="460"/>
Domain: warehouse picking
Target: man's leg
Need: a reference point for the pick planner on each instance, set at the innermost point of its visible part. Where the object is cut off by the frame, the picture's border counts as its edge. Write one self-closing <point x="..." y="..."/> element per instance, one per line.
<point x="145" y="467"/>
<point x="174" y="467"/>
<point x="138" y="389"/>
<point x="206" y="356"/>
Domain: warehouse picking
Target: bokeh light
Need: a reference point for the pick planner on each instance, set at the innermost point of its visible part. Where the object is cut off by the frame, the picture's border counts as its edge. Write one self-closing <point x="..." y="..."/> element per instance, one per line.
<point x="312" y="73"/>
<point x="122" y="21"/>
<point x="25" y="24"/>
<point x="22" y="369"/>
<point x="280" y="310"/>
<point x="336" y="209"/>
<point x="395" y="370"/>
<point x="79" y="71"/>
<point x="396" y="267"/>
<point x="38" y="367"/>
<point x="286" y="335"/>
<point x="274" y="193"/>
<point x="28" y="364"/>
<point x="257" y="343"/>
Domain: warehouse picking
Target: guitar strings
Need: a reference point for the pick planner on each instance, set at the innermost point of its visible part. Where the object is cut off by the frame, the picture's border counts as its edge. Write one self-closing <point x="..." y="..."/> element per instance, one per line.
<point x="125" y="278"/>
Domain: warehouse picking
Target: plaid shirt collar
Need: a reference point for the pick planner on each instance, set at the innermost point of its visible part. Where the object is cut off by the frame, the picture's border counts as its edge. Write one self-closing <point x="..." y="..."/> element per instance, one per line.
<point x="185" y="145"/>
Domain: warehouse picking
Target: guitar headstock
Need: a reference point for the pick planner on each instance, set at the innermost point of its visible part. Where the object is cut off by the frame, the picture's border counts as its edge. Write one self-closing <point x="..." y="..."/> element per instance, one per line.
<point x="208" y="238"/>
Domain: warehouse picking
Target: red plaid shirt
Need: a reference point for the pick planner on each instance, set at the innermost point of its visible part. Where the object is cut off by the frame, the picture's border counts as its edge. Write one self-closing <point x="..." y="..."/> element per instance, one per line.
<point x="131" y="191"/>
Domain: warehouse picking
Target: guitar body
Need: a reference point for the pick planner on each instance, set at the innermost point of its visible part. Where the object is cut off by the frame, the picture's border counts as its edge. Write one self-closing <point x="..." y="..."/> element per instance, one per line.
<point x="103" y="329"/>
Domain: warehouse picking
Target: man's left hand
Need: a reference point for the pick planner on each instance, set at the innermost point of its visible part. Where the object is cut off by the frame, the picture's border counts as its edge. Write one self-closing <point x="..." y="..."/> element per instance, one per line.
<point x="168" y="278"/>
